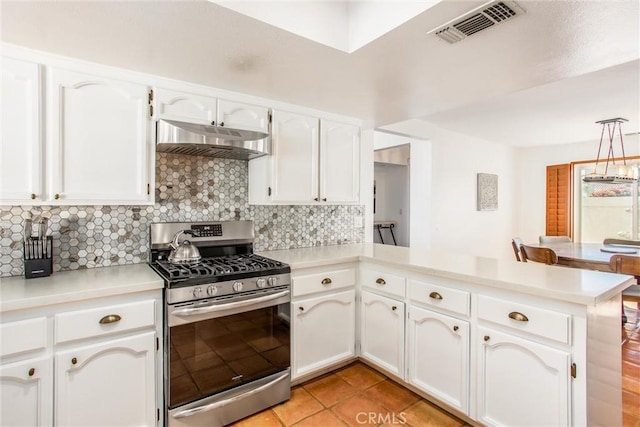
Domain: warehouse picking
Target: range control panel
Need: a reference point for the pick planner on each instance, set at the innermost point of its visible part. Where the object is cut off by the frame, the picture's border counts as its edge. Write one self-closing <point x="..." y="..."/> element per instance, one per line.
<point x="207" y="230"/>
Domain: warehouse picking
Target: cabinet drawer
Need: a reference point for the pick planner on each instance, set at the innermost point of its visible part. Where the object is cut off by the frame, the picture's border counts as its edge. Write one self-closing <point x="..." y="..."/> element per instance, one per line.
<point x="384" y="282"/>
<point x="100" y="321"/>
<point x="322" y="281"/>
<point x="25" y="335"/>
<point x="449" y="299"/>
<point x="537" y="321"/>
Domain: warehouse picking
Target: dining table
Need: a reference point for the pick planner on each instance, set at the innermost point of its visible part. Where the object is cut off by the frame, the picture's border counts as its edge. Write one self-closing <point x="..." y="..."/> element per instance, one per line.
<point x="591" y="256"/>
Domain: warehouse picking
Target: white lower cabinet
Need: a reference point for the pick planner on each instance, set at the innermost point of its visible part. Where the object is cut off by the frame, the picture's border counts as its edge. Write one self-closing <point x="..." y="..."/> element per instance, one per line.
<point x="382" y="332"/>
<point x="111" y="383"/>
<point x="26" y="389"/>
<point x="521" y="382"/>
<point x="438" y="359"/>
<point x="323" y="331"/>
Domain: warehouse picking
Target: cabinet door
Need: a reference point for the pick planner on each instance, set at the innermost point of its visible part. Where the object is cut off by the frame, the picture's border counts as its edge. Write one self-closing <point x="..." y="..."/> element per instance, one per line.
<point x="21" y="163"/>
<point x="323" y="331"/>
<point x="521" y="382"/>
<point x="339" y="162"/>
<point x="438" y="357"/>
<point x="184" y="107"/>
<point x="99" y="140"/>
<point x="27" y="393"/>
<point x="295" y="158"/>
<point x="112" y="383"/>
<point x="382" y="332"/>
<point x="237" y="115"/>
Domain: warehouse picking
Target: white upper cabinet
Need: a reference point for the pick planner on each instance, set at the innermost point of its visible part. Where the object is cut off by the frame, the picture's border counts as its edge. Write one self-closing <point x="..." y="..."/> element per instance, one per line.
<point x="294" y="149"/>
<point x="237" y="115"/>
<point x="339" y="162"/>
<point x="99" y="139"/>
<point x="208" y="110"/>
<point x="184" y="107"/>
<point x="21" y="155"/>
<point x="312" y="161"/>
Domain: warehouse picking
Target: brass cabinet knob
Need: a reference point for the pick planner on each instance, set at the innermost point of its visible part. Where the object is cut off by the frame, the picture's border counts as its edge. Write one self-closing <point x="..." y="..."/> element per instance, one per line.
<point x="33" y="196"/>
<point x="111" y="318"/>
<point x="518" y="316"/>
<point x="316" y="199"/>
<point x="455" y="328"/>
<point x="326" y="281"/>
<point x="221" y="123"/>
<point x="56" y="196"/>
<point x="324" y="200"/>
<point x="394" y="308"/>
<point x="487" y="337"/>
<point x="74" y="361"/>
<point x="435" y="295"/>
<point x="32" y="372"/>
<point x="301" y="308"/>
<point x="381" y="281"/>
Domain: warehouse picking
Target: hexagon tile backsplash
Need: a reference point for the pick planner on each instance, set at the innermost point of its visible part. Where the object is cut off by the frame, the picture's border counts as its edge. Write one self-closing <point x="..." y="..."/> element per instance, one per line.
<point x="187" y="189"/>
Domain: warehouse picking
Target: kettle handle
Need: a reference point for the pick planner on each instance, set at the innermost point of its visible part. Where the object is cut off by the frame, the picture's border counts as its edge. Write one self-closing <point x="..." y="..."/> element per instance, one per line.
<point x="174" y="242"/>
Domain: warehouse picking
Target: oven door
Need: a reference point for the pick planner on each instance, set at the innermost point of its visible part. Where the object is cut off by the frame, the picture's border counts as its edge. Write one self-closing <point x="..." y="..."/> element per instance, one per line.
<point x="221" y="349"/>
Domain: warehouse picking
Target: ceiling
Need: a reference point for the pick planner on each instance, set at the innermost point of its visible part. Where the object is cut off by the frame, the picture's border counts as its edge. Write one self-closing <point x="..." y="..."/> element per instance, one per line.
<point x="542" y="78"/>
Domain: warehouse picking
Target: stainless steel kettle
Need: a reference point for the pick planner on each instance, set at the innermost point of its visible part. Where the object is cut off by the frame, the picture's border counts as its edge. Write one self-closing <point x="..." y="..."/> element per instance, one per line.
<point x="185" y="252"/>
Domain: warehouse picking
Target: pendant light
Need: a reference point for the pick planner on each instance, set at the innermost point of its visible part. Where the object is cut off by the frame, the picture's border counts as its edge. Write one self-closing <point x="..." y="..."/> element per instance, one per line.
<point x="611" y="172"/>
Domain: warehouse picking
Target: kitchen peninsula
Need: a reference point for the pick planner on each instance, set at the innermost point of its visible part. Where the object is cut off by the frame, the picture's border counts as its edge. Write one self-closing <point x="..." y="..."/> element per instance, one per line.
<point x="469" y="333"/>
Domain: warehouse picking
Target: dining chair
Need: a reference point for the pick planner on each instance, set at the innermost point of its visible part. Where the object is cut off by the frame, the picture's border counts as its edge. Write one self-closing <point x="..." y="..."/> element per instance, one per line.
<point x="536" y="254"/>
<point x="516" y="242"/>
<point x="621" y="242"/>
<point x="554" y="239"/>
<point x="625" y="264"/>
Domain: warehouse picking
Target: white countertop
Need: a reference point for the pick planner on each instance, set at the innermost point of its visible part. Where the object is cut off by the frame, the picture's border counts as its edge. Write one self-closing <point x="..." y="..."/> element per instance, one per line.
<point x="18" y="293"/>
<point x="573" y="285"/>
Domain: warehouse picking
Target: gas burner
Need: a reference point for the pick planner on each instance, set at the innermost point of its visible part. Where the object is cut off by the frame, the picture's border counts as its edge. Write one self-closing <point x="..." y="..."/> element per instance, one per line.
<point x="217" y="267"/>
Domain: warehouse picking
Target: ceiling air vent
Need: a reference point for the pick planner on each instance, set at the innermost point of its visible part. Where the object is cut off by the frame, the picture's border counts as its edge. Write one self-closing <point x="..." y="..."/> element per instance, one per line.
<point x="478" y="19"/>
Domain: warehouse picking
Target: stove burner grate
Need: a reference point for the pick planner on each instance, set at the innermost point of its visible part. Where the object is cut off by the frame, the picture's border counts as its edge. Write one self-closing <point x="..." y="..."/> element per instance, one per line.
<point x="218" y="266"/>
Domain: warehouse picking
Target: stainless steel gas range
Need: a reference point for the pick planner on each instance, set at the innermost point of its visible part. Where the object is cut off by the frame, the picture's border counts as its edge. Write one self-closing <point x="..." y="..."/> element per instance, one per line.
<point x="227" y="323"/>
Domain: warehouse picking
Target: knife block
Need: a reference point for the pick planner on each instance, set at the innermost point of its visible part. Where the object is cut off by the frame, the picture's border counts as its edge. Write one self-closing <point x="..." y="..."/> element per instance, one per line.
<point x="38" y="257"/>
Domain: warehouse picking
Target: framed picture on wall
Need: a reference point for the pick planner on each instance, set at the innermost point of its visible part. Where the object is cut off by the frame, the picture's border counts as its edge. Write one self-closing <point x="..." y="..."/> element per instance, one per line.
<point x="487" y="197"/>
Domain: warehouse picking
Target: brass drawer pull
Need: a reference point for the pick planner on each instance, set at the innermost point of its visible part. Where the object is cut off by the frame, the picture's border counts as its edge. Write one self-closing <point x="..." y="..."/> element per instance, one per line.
<point x="110" y="318"/>
<point x="455" y="328"/>
<point x="74" y="361"/>
<point x="32" y="372"/>
<point x="326" y="281"/>
<point x="518" y="316"/>
<point x="380" y="281"/>
<point x="435" y="295"/>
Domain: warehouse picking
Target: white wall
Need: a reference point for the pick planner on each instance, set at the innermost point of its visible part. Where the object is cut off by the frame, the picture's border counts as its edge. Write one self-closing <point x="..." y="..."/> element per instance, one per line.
<point x="532" y="163"/>
<point x="453" y="222"/>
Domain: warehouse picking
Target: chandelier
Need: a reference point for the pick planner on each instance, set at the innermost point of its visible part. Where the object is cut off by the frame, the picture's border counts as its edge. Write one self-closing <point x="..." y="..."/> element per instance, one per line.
<point x="610" y="172"/>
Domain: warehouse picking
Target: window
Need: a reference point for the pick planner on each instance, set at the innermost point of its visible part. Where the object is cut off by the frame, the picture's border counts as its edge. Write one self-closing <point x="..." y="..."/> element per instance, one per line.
<point x="604" y="210"/>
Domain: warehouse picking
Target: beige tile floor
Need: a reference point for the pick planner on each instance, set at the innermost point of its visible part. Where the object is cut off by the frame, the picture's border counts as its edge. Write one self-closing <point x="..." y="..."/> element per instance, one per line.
<point x="355" y="395"/>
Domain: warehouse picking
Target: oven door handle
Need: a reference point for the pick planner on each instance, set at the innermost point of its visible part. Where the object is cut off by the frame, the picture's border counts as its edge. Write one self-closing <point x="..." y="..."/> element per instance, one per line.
<point x="204" y="408"/>
<point x="185" y="312"/>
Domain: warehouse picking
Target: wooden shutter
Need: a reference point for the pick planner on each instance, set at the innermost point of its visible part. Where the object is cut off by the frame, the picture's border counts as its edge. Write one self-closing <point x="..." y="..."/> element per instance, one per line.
<point x="558" y="200"/>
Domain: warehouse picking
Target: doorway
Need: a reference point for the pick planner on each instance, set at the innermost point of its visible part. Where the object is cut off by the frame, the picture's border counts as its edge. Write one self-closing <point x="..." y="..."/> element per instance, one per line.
<point x="391" y="195"/>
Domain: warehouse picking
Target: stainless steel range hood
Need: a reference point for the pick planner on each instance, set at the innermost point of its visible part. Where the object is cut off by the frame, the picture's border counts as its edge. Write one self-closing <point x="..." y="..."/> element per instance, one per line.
<point x="212" y="141"/>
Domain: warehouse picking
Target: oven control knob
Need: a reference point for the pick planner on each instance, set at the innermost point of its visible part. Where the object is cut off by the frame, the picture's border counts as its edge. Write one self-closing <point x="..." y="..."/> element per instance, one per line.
<point x="212" y="290"/>
<point x="197" y="292"/>
<point x="237" y="286"/>
<point x="261" y="283"/>
<point x="273" y="281"/>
